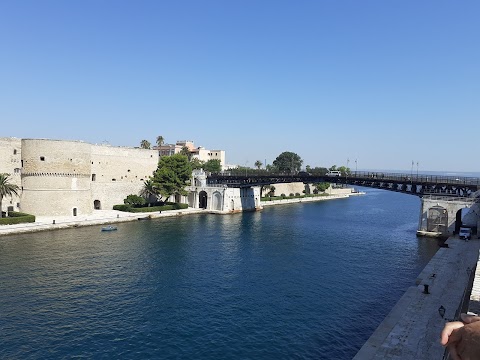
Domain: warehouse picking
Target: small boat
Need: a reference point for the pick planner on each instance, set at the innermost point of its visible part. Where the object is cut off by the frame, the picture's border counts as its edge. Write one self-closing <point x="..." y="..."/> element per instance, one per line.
<point x="109" y="228"/>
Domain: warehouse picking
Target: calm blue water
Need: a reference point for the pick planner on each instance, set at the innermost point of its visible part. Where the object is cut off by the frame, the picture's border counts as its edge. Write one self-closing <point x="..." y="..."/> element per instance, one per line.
<point x="303" y="281"/>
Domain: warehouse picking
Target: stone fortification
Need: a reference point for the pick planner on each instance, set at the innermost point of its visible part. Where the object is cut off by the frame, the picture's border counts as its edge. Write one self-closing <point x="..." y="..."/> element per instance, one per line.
<point x="10" y="163"/>
<point x="118" y="172"/>
<point x="55" y="177"/>
<point x="70" y="178"/>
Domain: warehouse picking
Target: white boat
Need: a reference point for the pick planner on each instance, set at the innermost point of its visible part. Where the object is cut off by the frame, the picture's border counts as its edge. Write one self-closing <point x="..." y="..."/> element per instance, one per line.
<point x="109" y="228"/>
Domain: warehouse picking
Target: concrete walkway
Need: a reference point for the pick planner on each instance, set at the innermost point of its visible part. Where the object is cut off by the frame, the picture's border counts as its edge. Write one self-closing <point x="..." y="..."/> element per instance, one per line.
<point x="412" y="329"/>
<point x="98" y="217"/>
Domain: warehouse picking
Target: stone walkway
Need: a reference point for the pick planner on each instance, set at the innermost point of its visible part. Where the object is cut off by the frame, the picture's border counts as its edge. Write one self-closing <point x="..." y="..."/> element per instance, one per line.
<point x="412" y="329"/>
<point x="98" y="217"/>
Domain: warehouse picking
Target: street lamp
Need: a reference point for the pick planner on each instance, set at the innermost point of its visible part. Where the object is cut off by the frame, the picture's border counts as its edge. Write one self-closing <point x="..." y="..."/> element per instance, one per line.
<point x="355" y="167"/>
<point x="346" y="170"/>
<point x="417" y="169"/>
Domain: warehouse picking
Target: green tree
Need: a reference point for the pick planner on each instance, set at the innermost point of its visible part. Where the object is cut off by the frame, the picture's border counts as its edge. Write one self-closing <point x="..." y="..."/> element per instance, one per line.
<point x="6" y="189"/>
<point x="145" y="144"/>
<point x="186" y="152"/>
<point x="196" y="164"/>
<point x="160" y="140"/>
<point x="288" y="162"/>
<point x="212" y="165"/>
<point x="318" y="171"/>
<point x="149" y="190"/>
<point x="321" y="187"/>
<point x="134" y="200"/>
<point x="344" y="170"/>
<point x="258" y="164"/>
<point x="172" y="175"/>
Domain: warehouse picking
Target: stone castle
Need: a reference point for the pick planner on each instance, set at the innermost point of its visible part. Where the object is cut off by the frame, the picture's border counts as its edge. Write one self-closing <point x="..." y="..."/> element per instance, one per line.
<point x="72" y="178"/>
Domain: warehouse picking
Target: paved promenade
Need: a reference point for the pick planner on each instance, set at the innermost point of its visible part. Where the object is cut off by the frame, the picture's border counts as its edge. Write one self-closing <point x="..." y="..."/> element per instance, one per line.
<point x="98" y="217"/>
<point x="412" y="328"/>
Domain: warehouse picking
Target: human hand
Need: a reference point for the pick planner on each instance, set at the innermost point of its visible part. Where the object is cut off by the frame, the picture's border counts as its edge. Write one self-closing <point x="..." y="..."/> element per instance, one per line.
<point x="463" y="338"/>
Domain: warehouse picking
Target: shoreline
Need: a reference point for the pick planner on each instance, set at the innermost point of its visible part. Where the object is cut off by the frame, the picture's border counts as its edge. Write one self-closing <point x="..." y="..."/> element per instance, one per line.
<point x="412" y="328"/>
<point x="105" y="217"/>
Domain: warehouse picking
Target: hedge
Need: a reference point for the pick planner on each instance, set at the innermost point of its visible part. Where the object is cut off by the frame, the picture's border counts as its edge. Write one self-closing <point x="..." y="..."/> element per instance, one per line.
<point x="169" y="206"/>
<point x="17" y="218"/>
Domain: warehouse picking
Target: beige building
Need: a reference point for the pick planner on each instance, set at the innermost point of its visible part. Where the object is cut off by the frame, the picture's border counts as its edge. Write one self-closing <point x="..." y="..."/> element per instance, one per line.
<point x="199" y="153"/>
<point x="68" y="178"/>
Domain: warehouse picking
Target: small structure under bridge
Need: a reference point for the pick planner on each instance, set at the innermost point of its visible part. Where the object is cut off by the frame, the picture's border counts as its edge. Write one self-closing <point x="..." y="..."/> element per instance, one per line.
<point x="447" y="202"/>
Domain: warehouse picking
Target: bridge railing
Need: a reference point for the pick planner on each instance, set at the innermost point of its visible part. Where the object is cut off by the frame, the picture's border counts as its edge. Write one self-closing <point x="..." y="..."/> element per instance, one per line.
<point x="423" y="178"/>
<point x="451" y="198"/>
<point x="358" y="175"/>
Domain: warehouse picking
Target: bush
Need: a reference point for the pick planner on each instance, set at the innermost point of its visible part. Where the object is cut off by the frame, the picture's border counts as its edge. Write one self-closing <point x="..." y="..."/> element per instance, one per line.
<point x="283" y="196"/>
<point x="291" y="195"/>
<point x="122" y="207"/>
<point x="298" y="194"/>
<point x="17" y="218"/>
<point x="134" y="200"/>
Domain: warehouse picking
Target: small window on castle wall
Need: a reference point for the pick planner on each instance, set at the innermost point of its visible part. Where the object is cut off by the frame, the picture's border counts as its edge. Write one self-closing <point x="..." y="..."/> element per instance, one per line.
<point x="94" y="177"/>
<point x="42" y="158"/>
<point x="114" y="179"/>
<point x="128" y="170"/>
<point x="14" y="151"/>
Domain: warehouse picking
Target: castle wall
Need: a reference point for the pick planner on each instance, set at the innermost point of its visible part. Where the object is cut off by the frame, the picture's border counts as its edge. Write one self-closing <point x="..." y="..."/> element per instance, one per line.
<point x="55" y="177"/>
<point x="10" y="163"/>
<point x="118" y="172"/>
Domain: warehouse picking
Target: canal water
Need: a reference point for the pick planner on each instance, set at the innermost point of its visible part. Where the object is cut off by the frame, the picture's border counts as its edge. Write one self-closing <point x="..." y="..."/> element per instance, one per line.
<point x="300" y="281"/>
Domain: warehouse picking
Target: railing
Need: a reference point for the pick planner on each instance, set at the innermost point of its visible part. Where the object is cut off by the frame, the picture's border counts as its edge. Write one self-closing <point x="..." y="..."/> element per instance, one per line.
<point x="358" y="175"/>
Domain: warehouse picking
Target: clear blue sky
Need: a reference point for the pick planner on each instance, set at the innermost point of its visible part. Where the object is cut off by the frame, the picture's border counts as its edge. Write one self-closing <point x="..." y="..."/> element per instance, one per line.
<point x="383" y="82"/>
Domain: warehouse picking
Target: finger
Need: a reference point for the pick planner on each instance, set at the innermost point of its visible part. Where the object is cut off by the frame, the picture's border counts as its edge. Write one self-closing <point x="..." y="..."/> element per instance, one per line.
<point x="447" y="331"/>
<point x="468" y="319"/>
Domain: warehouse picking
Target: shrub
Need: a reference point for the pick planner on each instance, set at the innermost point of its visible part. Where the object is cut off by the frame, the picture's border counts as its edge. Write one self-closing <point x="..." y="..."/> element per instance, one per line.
<point x="17" y="218"/>
<point x="291" y="195"/>
<point x="134" y="200"/>
<point x="122" y="207"/>
<point x="298" y="194"/>
<point x="283" y="196"/>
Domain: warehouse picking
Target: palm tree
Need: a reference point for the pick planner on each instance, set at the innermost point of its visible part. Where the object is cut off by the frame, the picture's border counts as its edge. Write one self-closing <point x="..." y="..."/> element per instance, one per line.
<point x="160" y="140"/>
<point x="148" y="190"/>
<point x="145" y="144"/>
<point x="258" y="164"/>
<point x="6" y="189"/>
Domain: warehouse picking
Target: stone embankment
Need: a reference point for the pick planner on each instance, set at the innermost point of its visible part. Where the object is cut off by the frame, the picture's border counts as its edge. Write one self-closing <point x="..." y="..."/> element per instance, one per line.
<point x="98" y="217"/>
<point x="310" y="199"/>
<point x="412" y="328"/>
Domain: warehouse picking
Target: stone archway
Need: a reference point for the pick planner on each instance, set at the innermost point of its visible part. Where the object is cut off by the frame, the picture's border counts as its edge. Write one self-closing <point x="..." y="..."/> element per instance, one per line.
<point x="217" y="201"/>
<point x="437" y="220"/>
<point x="97" y="205"/>
<point x="202" y="200"/>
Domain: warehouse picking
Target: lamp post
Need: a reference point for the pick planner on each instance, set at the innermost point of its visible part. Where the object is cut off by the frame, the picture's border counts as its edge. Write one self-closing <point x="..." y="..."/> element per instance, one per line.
<point x="346" y="171"/>
<point x="411" y="171"/>
<point x="355" y="167"/>
<point x="417" y="169"/>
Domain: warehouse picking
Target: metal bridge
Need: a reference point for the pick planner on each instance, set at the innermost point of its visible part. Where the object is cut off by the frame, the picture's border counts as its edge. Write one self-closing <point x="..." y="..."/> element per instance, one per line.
<point x="415" y="184"/>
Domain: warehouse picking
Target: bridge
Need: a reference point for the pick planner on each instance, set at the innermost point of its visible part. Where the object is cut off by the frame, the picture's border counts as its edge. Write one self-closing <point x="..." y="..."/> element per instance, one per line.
<point x="414" y="184"/>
